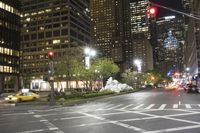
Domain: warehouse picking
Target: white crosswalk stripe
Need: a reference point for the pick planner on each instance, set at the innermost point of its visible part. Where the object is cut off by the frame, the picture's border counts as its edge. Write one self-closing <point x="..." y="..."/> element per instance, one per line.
<point x="113" y="107"/>
<point x="127" y="106"/>
<point x="137" y="107"/>
<point x="162" y="106"/>
<point x="150" y="106"/>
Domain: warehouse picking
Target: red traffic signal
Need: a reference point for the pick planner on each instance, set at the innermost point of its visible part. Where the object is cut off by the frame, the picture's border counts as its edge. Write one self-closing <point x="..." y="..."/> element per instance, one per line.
<point x="51" y="54"/>
<point x="152" y="11"/>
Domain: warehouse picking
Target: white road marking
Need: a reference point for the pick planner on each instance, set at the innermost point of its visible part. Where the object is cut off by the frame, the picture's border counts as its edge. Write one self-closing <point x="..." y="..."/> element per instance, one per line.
<point x="33" y="131"/>
<point x="127" y="106"/>
<point x="137" y="107"/>
<point x="174" y="129"/>
<point x="150" y="106"/>
<point x="18" y="114"/>
<point x="175" y="106"/>
<point x="114" y="122"/>
<point x="49" y="125"/>
<point x="115" y="107"/>
<point x="162" y="106"/>
<point x="188" y="106"/>
<point x="105" y="107"/>
<point x="165" y="117"/>
<point x="179" y="103"/>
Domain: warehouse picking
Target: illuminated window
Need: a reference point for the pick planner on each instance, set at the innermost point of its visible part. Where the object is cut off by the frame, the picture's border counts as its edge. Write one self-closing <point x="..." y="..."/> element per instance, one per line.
<point x="56" y="41"/>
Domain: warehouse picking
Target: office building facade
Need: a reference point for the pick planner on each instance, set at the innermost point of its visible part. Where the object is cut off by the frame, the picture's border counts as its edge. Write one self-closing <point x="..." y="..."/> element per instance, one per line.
<point x="9" y="45"/>
<point x="192" y="42"/>
<point x="51" y="25"/>
<point x="111" y="30"/>
<point x="140" y="33"/>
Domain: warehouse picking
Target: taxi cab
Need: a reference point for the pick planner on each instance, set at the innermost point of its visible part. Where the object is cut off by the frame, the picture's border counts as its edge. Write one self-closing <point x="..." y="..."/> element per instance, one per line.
<point x="22" y="96"/>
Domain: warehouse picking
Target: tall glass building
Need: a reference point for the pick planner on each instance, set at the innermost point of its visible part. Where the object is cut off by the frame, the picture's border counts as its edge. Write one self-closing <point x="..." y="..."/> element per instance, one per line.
<point x="9" y="45"/>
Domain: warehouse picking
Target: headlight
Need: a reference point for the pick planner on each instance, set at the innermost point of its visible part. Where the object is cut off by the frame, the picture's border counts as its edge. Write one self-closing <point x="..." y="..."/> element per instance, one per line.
<point x="6" y="98"/>
<point x="14" y="98"/>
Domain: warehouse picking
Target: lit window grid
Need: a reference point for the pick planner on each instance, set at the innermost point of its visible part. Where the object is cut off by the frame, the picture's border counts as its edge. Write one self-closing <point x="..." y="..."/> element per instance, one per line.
<point x="9" y="8"/>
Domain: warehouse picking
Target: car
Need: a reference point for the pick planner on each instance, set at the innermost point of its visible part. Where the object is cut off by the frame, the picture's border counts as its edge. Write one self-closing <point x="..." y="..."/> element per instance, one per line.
<point x="22" y="96"/>
<point x="171" y="87"/>
<point x="191" y="88"/>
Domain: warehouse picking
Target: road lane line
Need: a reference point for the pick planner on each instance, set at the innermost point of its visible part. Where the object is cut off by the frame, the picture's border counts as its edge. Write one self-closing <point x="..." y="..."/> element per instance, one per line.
<point x="114" y="122"/>
<point x="127" y="106"/>
<point x="175" y="106"/>
<point x="162" y="106"/>
<point x="174" y="129"/>
<point x="34" y="131"/>
<point x="137" y="107"/>
<point x="107" y="106"/>
<point x="188" y="106"/>
<point x="150" y="106"/>
<point x="49" y="125"/>
<point x="18" y="114"/>
<point x="114" y="107"/>
<point x="164" y="117"/>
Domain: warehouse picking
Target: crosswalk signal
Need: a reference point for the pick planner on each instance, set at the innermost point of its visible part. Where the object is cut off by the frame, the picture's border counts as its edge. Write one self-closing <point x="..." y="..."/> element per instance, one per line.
<point x="51" y="55"/>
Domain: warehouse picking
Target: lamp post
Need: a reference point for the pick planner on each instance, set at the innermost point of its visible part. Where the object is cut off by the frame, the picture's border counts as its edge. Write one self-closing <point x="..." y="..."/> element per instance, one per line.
<point x="89" y="52"/>
<point x="138" y="64"/>
<point x="187" y="73"/>
<point x="51" y="77"/>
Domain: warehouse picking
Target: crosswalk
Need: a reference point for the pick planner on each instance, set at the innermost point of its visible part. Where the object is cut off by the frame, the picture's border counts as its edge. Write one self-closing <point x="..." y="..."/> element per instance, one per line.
<point x="149" y="106"/>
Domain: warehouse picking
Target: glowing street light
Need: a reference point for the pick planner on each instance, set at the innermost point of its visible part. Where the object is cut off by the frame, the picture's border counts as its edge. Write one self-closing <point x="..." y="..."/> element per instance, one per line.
<point x="138" y="64"/>
<point x="187" y="69"/>
<point x="88" y="54"/>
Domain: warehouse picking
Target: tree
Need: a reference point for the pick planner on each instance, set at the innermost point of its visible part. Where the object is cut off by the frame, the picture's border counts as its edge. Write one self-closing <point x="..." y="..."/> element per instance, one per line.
<point x="106" y="67"/>
<point x="155" y="77"/>
<point x="70" y="65"/>
<point x="130" y="77"/>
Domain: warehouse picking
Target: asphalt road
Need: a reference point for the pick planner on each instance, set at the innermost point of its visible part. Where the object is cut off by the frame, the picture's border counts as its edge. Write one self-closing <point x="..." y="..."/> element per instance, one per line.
<point x="150" y="111"/>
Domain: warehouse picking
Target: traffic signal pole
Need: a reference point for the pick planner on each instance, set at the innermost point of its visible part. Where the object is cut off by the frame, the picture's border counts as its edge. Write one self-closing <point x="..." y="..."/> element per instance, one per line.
<point x="51" y="78"/>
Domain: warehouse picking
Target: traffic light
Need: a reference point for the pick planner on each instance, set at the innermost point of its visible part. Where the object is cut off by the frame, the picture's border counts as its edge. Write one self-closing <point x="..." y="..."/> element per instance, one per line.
<point x="152" y="11"/>
<point x="50" y="55"/>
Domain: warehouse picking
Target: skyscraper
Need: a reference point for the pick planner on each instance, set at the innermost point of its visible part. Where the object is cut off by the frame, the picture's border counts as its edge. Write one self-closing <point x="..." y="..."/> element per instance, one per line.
<point x="192" y="42"/>
<point x="140" y="33"/>
<point x="111" y="29"/>
<point x="51" y="25"/>
<point x="9" y="45"/>
<point x="170" y="34"/>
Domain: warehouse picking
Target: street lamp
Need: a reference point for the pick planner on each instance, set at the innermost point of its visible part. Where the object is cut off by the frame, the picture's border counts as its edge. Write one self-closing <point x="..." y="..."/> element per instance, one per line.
<point x="138" y="64"/>
<point x="89" y="52"/>
<point x="187" y="73"/>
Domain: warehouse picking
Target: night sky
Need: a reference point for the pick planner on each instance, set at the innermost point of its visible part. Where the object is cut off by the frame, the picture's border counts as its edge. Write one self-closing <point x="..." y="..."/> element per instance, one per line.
<point x="174" y="4"/>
